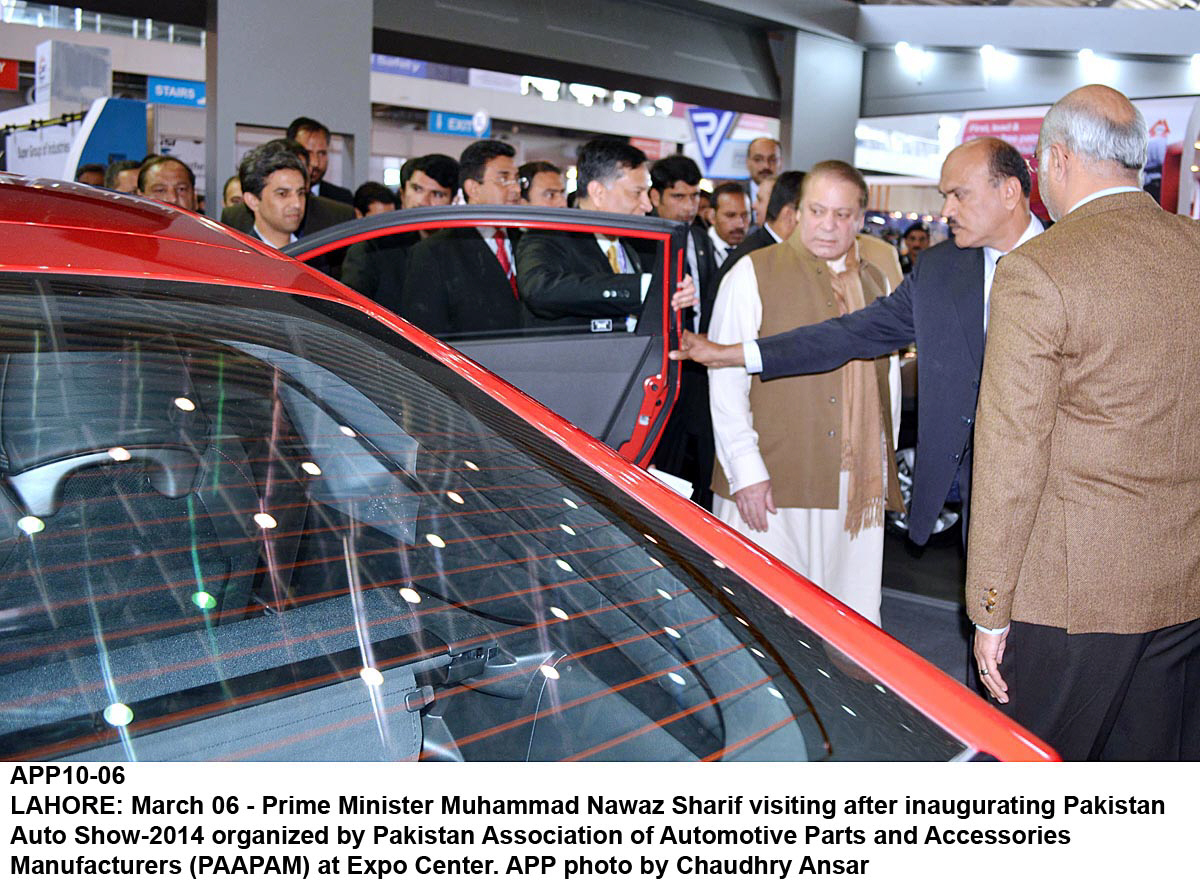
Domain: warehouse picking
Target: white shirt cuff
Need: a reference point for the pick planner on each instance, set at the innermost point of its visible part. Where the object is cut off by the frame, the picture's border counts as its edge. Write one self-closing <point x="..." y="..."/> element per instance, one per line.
<point x="752" y="357"/>
<point x="989" y="631"/>
<point x="645" y="286"/>
<point x="747" y="469"/>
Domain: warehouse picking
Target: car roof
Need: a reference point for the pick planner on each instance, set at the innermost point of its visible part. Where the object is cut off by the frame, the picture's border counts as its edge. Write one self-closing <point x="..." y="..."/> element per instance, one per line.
<point x="52" y="226"/>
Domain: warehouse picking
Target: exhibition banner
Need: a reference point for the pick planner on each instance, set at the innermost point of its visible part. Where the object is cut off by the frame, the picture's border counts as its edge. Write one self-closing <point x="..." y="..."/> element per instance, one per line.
<point x="41" y="152"/>
<point x="1166" y="122"/>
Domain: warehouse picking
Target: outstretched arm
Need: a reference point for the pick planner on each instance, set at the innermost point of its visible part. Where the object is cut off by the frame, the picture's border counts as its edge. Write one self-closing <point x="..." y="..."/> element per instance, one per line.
<point x="880" y="328"/>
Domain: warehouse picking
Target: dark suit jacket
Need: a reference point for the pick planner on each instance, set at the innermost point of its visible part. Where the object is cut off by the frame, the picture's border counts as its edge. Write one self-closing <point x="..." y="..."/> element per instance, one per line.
<point x="706" y="285"/>
<point x="377" y="268"/>
<point x="686" y="448"/>
<point x="454" y="284"/>
<point x="758" y="238"/>
<point x="332" y="191"/>
<point x="319" y="212"/>
<point x="940" y="306"/>
<point x="564" y="277"/>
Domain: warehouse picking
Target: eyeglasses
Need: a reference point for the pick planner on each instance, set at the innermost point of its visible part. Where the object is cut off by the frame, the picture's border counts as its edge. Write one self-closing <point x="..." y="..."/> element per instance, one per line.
<point x="505" y="179"/>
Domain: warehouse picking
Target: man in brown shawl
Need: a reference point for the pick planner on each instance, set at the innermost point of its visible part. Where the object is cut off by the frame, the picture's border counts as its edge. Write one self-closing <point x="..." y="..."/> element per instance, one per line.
<point x="805" y="464"/>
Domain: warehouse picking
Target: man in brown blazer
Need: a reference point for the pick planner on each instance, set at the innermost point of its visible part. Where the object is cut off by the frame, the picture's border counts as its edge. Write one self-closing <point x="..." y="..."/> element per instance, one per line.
<point x="1083" y="574"/>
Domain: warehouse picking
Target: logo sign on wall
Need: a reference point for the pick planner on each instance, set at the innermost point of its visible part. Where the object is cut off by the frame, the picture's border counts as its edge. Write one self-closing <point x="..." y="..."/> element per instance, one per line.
<point x="710" y="127"/>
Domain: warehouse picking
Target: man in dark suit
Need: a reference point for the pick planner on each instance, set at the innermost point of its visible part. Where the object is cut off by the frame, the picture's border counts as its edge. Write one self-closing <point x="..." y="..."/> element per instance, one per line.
<point x="463" y="279"/>
<point x="941" y="305"/>
<point x="764" y="159"/>
<point x="1083" y="574"/>
<point x="730" y="217"/>
<point x="274" y="190"/>
<point x="314" y="137"/>
<point x="916" y="240"/>
<point x="675" y="196"/>
<point x="319" y="212"/>
<point x="686" y="447"/>
<point x="377" y="267"/>
<point x="568" y="278"/>
<point x="542" y="184"/>
<point x="169" y="180"/>
<point x="430" y="180"/>
<point x="783" y="199"/>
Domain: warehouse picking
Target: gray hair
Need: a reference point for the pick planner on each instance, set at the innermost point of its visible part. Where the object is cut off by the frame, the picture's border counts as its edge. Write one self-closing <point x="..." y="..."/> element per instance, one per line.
<point x="1087" y="130"/>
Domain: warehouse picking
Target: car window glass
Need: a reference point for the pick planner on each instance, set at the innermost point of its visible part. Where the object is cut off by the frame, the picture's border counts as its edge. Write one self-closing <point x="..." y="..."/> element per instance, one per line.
<point x="280" y="532"/>
<point x="464" y="283"/>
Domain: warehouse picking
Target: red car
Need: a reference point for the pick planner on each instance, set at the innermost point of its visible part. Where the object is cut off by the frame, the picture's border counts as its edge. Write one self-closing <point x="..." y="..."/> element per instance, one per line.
<point x="248" y="514"/>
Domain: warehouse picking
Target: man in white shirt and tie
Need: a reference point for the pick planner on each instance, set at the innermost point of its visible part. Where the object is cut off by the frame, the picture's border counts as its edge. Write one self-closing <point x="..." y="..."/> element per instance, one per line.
<point x="730" y="219"/>
<point x="463" y="280"/>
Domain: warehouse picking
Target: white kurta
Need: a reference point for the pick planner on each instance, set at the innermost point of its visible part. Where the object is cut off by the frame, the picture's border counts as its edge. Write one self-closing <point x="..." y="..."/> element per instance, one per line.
<point x="814" y="542"/>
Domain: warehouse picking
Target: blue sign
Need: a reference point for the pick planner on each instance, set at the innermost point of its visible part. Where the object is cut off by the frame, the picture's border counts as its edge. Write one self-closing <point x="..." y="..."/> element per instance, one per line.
<point x="459" y="124"/>
<point x="710" y="128"/>
<point x="161" y="90"/>
<point x="394" y="64"/>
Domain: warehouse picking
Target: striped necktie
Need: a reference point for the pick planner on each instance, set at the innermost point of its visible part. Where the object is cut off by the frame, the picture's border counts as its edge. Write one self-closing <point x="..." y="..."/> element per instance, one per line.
<point x="505" y="264"/>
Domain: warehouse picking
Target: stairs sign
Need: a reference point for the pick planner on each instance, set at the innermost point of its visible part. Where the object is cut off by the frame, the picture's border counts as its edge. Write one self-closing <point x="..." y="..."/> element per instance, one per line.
<point x="710" y="127"/>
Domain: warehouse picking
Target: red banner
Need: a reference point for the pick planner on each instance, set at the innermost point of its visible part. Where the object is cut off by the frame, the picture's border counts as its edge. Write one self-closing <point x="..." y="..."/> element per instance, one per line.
<point x="1021" y="133"/>
<point x="8" y="74"/>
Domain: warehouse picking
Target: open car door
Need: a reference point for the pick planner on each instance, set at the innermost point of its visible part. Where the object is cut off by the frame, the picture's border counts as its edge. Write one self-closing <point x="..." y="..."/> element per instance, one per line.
<point x="604" y="370"/>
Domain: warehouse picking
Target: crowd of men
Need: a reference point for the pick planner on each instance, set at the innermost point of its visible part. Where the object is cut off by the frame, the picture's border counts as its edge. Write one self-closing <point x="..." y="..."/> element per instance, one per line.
<point x="1073" y="445"/>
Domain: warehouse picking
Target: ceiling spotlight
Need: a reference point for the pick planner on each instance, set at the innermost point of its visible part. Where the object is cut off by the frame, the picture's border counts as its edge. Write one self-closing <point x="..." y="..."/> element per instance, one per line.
<point x="1097" y="69"/>
<point x="996" y="63"/>
<point x="915" y="61"/>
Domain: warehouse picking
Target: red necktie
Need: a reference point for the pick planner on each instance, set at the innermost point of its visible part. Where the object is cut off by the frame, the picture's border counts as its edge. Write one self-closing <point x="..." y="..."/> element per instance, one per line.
<point x="505" y="264"/>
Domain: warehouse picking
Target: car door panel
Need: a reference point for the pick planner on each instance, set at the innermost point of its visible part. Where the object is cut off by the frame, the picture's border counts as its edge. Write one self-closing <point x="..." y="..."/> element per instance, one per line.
<point x="587" y="380"/>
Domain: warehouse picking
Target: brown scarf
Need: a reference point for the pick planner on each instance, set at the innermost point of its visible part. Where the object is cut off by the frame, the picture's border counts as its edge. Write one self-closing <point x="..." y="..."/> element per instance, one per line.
<point x="862" y="424"/>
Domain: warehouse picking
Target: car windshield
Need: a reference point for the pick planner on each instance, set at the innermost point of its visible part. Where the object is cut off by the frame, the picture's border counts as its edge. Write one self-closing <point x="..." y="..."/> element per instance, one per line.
<point x="238" y="524"/>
